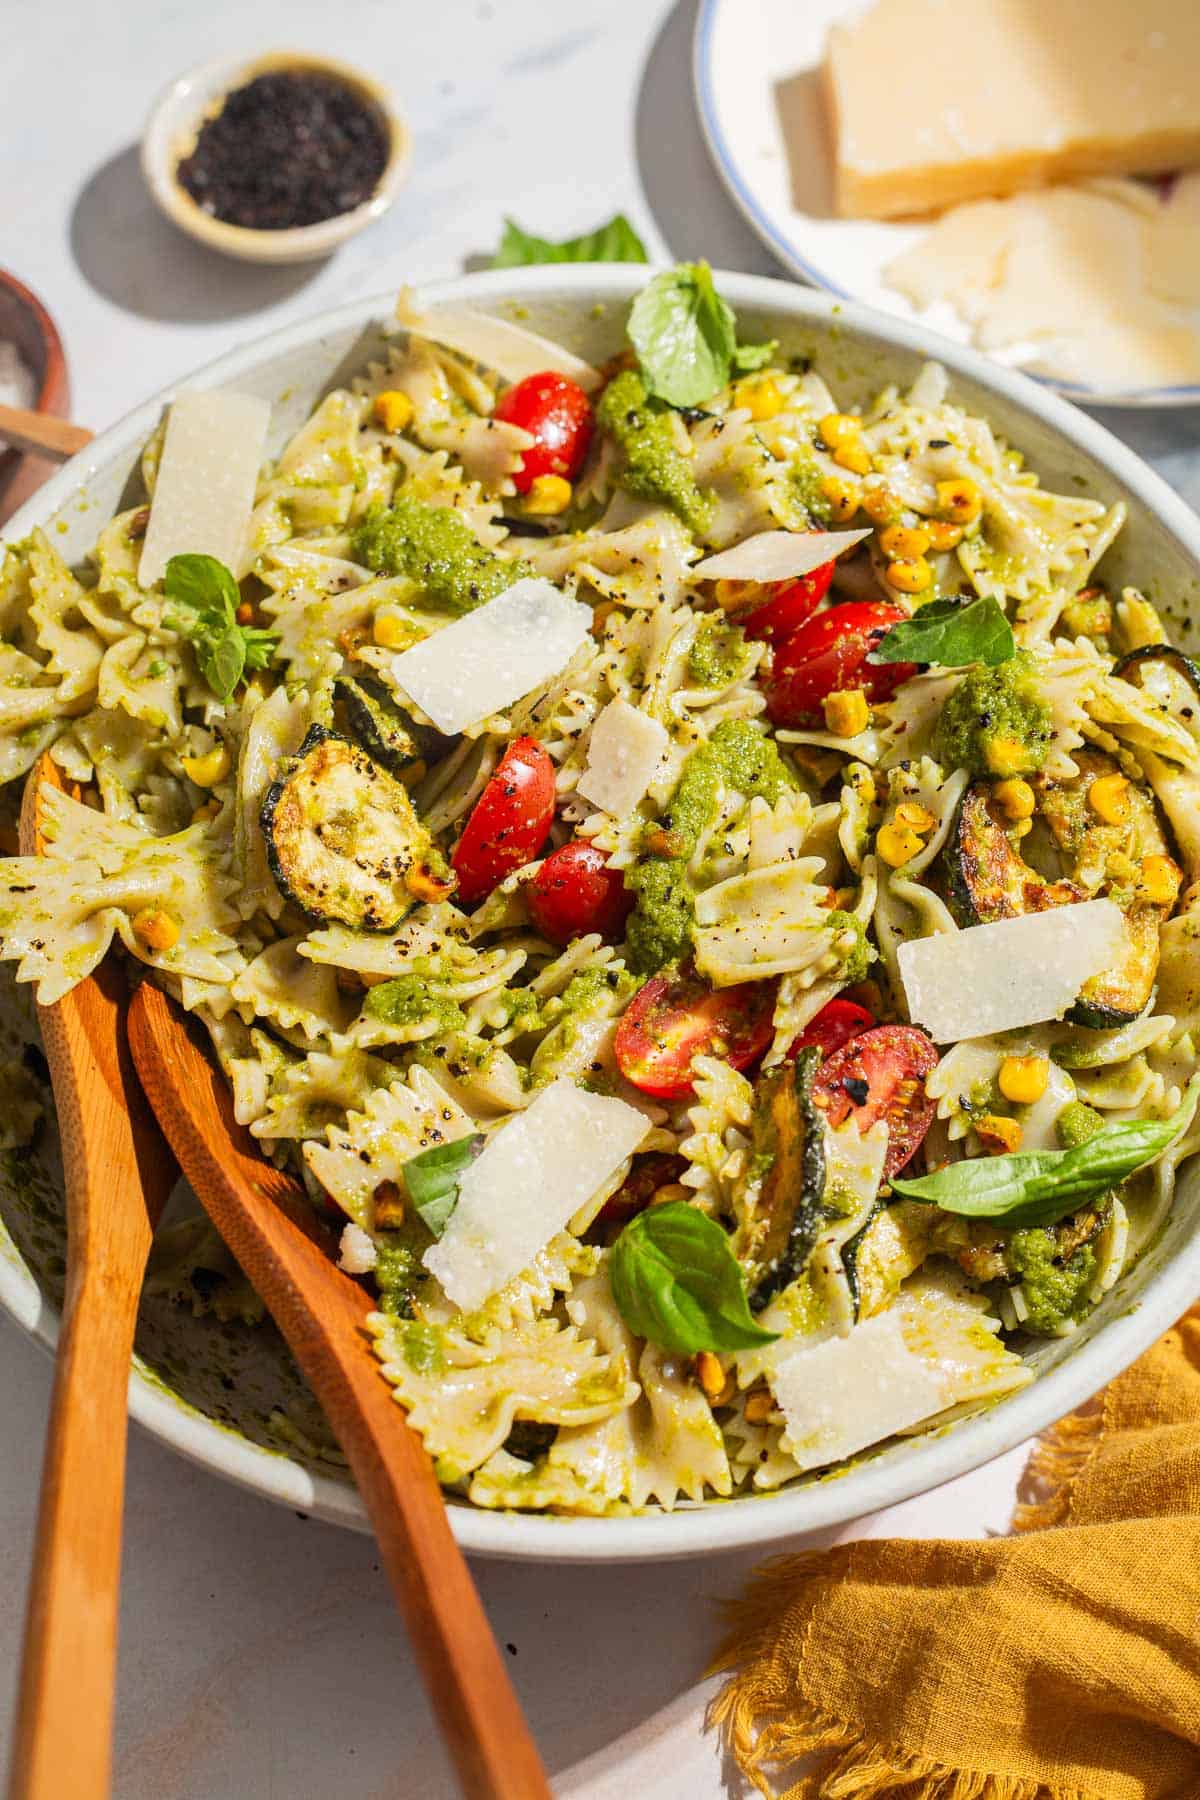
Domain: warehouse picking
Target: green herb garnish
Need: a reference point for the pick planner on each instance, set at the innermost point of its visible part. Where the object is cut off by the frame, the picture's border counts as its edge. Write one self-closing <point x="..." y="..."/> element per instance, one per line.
<point x="951" y="635"/>
<point x="616" y="241"/>
<point x="685" y="336"/>
<point x="432" y="1179"/>
<point x="676" y="1282"/>
<point x="204" y="597"/>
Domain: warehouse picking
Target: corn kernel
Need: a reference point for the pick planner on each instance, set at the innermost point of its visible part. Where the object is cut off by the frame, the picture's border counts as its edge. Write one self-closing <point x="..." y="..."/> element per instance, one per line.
<point x="909" y="576"/>
<point x="997" y="1134"/>
<point x="245" y="613"/>
<point x="759" y="1406"/>
<point x="393" y="410"/>
<point x="904" y="543"/>
<point x="156" y="930"/>
<point x="882" y="506"/>
<point x="1108" y="798"/>
<point x="915" y="816"/>
<point x="897" y="844"/>
<point x="760" y="397"/>
<point x="548" y="495"/>
<point x="839" y="428"/>
<point x="855" y="457"/>
<point x="1006" y="756"/>
<point x="710" y="1374"/>
<point x="1015" y="798"/>
<point x="424" y="883"/>
<point x="842" y="498"/>
<point x="960" y="500"/>
<point x="1159" y="881"/>
<point x="847" y="712"/>
<point x="389" y="1206"/>
<point x="391" y="632"/>
<point x="942" y="535"/>
<point x="207" y="770"/>
<point x="1023" y="1079"/>
<point x="732" y="596"/>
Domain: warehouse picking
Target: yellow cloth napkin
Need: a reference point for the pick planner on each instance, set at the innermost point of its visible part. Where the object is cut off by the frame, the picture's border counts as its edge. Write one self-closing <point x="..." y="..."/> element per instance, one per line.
<point x="1062" y="1663"/>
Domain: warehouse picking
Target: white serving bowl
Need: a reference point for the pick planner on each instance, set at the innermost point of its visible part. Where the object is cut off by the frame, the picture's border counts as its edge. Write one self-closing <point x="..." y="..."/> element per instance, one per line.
<point x="183" y="107"/>
<point x="209" y="1390"/>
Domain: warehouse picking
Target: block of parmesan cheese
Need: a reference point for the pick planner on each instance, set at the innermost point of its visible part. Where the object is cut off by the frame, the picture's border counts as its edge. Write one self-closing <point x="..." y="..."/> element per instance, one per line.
<point x="207" y="475"/>
<point x="959" y="99"/>
<point x="624" y="752"/>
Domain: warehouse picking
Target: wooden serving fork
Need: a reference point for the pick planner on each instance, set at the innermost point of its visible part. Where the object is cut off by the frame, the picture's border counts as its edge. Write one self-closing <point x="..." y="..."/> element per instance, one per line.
<point x="118" y="1172"/>
<point x="263" y="1216"/>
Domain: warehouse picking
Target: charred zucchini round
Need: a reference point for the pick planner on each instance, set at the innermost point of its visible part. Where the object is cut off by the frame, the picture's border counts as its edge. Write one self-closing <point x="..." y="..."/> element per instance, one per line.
<point x="371" y="718"/>
<point x="789" y="1214"/>
<point x="343" y="840"/>
<point x="1130" y="667"/>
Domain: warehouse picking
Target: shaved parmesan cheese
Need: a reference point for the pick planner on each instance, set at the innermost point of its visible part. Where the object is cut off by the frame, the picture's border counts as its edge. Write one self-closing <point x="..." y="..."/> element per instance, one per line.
<point x="533" y="1174"/>
<point x="508" y="349"/>
<point x="624" y="751"/>
<point x="777" y="555"/>
<point x="495" y="655"/>
<point x="933" y="1349"/>
<point x="968" y="984"/>
<point x="207" y="475"/>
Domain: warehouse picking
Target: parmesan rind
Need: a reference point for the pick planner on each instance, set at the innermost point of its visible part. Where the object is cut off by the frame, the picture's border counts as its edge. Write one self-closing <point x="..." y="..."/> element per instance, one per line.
<point x="1016" y="972"/>
<point x="494" y="656"/>
<point x="624" y="753"/>
<point x="204" y="494"/>
<point x="535" y="1172"/>
<point x="777" y="555"/>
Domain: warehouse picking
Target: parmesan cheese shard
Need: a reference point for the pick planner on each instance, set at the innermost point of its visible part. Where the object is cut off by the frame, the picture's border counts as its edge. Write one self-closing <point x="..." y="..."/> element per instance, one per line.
<point x="624" y="752"/>
<point x="777" y="555"/>
<point x="493" y="656"/>
<point x="933" y="1349"/>
<point x="533" y="1174"/>
<point x="204" y="494"/>
<point x="497" y="344"/>
<point x="977" y="98"/>
<point x="988" y="978"/>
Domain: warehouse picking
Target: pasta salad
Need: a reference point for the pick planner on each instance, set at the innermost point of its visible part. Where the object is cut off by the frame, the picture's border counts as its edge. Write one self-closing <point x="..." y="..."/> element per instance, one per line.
<point x="697" y="883"/>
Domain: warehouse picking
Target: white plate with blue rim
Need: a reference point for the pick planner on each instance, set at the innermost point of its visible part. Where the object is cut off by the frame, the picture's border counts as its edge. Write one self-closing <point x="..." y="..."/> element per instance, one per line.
<point x="757" y="70"/>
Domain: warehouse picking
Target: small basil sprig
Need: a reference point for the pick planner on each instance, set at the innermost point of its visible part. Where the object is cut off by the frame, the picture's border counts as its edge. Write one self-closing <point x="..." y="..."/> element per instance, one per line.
<point x="945" y="632"/>
<point x="432" y="1179"/>
<point x="1039" y="1187"/>
<point x="676" y="1282"/>
<point x="685" y="336"/>
<point x="615" y="241"/>
<point x="204" y="597"/>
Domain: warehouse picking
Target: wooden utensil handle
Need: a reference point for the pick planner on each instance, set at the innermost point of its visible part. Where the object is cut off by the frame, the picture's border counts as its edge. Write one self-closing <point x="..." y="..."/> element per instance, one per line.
<point x="322" y="1315"/>
<point x="40" y="434"/>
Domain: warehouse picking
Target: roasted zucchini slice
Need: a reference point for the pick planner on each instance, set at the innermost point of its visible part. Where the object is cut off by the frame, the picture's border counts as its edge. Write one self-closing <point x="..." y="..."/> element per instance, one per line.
<point x="343" y="840"/>
<point x="986" y="877"/>
<point x="1140" y="663"/>
<point x="789" y="1214"/>
<point x="368" y="715"/>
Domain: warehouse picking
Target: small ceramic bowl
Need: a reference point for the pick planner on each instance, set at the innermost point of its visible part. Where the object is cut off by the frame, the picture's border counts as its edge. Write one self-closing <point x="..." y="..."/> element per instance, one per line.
<point x="25" y="322"/>
<point x="179" y="113"/>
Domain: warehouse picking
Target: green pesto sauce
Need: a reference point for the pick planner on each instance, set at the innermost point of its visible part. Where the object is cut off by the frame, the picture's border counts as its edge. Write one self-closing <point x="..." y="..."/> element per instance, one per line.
<point x="858" y="960"/>
<point x="1054" y="1292"/>
<point x="717" y="655"/>
<point x="421" y="1346"/>
<point x="988" y="705"/>
<point x="432" y="546"/>
<point x="735" y="756"/>
<point x="804" y="480"/>
<point x="409" y="1000"/>
<point x="655" y="468"/>
<point x="1076" y="1123"/>
<point x="397" y="1274"/>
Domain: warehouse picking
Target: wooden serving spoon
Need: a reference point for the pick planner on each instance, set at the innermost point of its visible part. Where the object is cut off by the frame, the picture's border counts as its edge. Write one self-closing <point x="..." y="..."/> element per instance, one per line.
<point x="40" y="434"/>
<point x="264" y="1218"/>
<point x="118" y="1173"/>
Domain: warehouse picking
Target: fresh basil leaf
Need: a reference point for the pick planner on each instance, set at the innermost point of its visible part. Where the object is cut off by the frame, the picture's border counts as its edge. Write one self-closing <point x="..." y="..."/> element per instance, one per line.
<point x="221" y="659"/>
<point x="260" y="646"/>
<point x="945" y="632"/>
<point x="202" y="583"/>
<point x="1039" y="1187"/>
<point x="676" y="1282"/>
<point x="432" y="1179"/>
<point x="615" y="241"/>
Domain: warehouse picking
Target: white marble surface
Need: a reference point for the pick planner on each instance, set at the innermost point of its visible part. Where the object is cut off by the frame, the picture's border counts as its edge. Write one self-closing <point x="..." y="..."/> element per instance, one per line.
<point x="260" y="1654"/>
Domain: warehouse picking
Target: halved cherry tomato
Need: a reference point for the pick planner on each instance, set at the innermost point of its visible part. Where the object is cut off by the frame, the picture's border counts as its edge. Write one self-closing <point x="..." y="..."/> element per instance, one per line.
<point x="555" y="411"/>
<point x="881" y="1075"/>
<point x="508" y="823"/>
<point x="576" y="891"/>
<point x="789" y="606"/>
<point x="833" y="1027"/>
<point x="674" y="1018"/>
<point x="828" y="653"/>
